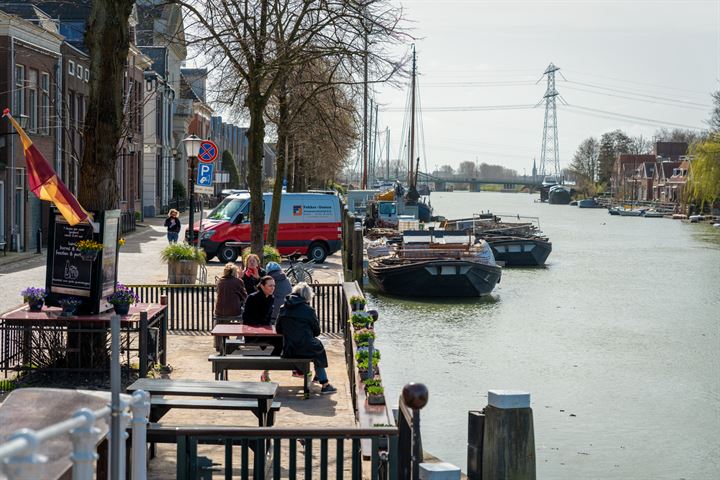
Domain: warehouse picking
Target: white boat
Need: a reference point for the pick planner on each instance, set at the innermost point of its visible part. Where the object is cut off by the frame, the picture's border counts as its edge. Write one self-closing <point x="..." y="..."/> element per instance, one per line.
<point x="630" y="213"/>
<point x="652" y="214"/>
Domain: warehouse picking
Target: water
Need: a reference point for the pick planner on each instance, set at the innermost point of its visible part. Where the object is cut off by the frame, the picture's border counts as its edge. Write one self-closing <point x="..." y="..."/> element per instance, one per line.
<point x="617" y="340"/>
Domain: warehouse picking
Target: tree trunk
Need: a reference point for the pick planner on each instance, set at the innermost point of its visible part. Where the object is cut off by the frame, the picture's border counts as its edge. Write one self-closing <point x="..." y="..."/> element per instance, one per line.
<point x="291" y="165"/>
<point x="256" y="138"/>
<point x="108" y="41"/>
<point x="280" y="160"/>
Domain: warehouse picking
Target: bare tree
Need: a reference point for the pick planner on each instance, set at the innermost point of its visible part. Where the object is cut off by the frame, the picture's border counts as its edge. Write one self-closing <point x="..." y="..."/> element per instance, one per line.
<point x="261" y="41"/>
<point x="108" y="40"/>
<point x="584" y="166"/>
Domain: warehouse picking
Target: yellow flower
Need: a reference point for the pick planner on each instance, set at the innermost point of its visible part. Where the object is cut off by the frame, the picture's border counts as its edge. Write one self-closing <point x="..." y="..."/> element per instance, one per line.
<point x="121" y="242"/>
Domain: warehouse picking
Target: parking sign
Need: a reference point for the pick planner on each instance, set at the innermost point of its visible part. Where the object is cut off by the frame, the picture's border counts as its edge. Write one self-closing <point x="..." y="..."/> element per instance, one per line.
<point x="205" y="174"/>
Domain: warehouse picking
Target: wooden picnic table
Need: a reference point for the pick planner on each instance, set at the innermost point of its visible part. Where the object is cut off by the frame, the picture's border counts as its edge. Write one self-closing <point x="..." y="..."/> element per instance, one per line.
<point x="263" y="392"/>
<point x="227" y="330"/>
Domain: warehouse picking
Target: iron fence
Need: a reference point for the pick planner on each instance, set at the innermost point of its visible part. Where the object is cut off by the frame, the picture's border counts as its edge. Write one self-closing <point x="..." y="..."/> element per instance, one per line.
<point x="292" y="452"/>
<point x="191" y="307"/>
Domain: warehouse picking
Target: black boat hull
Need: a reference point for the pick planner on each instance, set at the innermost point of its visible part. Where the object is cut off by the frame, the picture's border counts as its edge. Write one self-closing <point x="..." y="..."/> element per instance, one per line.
<point x="520" y="252"/>
<point x="435" y="278"/>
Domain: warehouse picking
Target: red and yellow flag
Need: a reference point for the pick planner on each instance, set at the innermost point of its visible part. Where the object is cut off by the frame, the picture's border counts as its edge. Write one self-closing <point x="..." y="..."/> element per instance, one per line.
<point x="44" y="182"/>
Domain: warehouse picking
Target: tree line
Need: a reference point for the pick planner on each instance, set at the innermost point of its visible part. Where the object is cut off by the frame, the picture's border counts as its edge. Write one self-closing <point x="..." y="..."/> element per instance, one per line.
<point x="469" y="169"/>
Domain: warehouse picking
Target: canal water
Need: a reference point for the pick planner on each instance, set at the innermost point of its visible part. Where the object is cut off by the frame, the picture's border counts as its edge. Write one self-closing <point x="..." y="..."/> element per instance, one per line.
<point x="617" y="340"/>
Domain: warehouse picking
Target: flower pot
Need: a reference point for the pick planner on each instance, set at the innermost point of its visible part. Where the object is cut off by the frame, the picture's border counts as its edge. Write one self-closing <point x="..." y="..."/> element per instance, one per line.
<point x="182" y="272"/>
<point x="121" y="308"/>
<point x="35" y="305"/>
<point x="376" y="399"/>
<point x="357" y="306"/>
<point x="89" y="256"/>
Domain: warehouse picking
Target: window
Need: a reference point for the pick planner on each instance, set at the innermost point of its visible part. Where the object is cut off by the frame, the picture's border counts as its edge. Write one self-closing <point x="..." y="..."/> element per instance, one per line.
<point x="19" y="106"/>
<point x="79" y="72"/>
<point x="33" y="100"/>
<point x="71" y="67"/>
<point x="45" y="103"/>
<point x="87" y="74"/>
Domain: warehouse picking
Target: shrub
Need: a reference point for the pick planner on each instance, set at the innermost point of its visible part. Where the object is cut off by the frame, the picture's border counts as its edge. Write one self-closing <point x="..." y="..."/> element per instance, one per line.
<point x="179" y="190"/>
<point x="362" y="355"/>
<point x="357" y="300"/>
<point x="361" y="320"/>
<point x="270" y="254"/>
<point x="372" y="382"/>
<point x="363" y="337"/>
<point x="182" y="251"/>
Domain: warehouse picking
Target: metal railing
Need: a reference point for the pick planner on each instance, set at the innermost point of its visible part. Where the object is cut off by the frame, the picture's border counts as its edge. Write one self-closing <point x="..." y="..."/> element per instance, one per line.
<point x="127" y="221"/>
<point x="20" y="456"/>
<point x="191" y="307"/>
<point x="327" y="452"/>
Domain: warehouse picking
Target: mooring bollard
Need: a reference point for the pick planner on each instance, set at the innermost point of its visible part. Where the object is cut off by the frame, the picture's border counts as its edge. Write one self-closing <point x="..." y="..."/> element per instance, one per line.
<point x="508" y="445"/>
<point x="439" y="471"/>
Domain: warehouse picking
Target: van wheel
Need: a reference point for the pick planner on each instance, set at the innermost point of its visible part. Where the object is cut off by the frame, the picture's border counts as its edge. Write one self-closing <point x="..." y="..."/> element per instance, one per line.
<point x="227" y="254"/>
<point x="317" y="252"/>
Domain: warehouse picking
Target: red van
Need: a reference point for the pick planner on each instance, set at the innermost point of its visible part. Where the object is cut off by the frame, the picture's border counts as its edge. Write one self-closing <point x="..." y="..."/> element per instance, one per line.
<point x="310" y="224"/>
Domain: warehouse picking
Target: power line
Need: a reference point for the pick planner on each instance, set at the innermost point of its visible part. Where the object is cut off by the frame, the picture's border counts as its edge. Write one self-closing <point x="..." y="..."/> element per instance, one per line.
<point x="656" y="102"/>
<point x="631" y="92"/>
<point x="477" y="108"/>
<point x="622" y="116"/>
<point x="621" y="80"/>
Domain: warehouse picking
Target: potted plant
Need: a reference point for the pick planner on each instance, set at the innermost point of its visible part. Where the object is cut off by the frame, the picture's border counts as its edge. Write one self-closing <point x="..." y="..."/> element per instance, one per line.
<point x="183" y="260"/>
<point x="34" y="297"/>
<point x="357" y="302"/>
<point x="362" y="337"/>
<point x="361" y="320"/>
<point x="88" y="249"/>
<point x="375" y="395"/>
<point x="69" y="305"/>
<point x="122" y="298"/>
<point x="270" y="254"/>
<point x="371" y="382"/>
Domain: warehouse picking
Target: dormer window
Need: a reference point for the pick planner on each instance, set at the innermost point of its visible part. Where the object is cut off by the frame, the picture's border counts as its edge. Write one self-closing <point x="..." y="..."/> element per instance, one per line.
<point x="79" y="72"/>
<point x="87" y="75"/>
<point x="71" y="67"/>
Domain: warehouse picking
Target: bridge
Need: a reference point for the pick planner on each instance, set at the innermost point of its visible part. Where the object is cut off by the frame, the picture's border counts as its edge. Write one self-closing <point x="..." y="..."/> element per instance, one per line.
<point x="474" y="183"/>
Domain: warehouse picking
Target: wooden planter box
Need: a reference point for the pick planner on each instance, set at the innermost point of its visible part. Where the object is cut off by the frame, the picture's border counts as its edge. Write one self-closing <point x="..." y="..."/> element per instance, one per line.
<point x="183" y="272"/>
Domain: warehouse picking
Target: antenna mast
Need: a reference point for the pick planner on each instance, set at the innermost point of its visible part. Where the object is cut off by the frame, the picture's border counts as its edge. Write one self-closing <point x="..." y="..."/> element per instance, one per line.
<point x="549" y="157"/>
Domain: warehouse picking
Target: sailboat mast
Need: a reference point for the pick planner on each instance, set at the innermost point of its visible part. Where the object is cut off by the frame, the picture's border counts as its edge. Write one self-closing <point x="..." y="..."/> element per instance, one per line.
<point x="411" y="149"/>
<point x="365" y="116"/>
<point x="387" y="153"/>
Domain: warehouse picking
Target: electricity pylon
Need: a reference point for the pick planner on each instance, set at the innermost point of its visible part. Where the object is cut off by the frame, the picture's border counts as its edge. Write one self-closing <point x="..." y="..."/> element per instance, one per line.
<point x="549" y="157"/>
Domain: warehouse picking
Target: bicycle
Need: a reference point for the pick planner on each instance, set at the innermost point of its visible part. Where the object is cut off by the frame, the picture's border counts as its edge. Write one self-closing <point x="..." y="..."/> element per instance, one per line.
<point x="299" y="271"/>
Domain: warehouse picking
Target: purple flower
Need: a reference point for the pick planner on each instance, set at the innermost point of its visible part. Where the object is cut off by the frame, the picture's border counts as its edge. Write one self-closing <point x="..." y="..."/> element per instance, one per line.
<point x="122" y="295"/>
<point x="33" y="294"/>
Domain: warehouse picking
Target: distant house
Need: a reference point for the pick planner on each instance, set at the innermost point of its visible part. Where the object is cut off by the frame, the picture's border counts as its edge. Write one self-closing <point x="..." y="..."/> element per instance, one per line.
<point x="670" y="151"/>
<point x="643" y="181"/>
<point x="675" y="185"/>
<point x="663" y="172"/>
<point x="623" y="179"/>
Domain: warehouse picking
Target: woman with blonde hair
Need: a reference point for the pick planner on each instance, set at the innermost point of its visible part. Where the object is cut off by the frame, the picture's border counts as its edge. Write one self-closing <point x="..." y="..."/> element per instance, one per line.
<point x="300" y="328"/>
<point x="253" y="273"/>
<point x="172" y="223"/>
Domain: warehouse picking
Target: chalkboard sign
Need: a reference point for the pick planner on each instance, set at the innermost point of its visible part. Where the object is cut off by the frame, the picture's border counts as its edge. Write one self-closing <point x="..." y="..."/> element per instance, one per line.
<point x="70" y="274"/>
<point x="109" y="255"/>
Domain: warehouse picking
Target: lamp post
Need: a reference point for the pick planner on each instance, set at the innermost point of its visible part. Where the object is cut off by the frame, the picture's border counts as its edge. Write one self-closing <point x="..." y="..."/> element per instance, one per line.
<point x="192" y="148"/>
<point x="24" y="121"/>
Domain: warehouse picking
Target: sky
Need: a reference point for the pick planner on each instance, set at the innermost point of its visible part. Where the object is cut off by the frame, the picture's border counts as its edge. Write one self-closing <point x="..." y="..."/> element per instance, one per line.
<point x="652" y="62"/>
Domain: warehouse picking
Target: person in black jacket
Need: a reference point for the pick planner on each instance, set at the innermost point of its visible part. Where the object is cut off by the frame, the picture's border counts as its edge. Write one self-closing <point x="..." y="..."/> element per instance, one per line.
<point x="299" y="326"/>
<point x="172" y="223"/>
<point x="258" y="311"/>
<point x="253" y="273"/>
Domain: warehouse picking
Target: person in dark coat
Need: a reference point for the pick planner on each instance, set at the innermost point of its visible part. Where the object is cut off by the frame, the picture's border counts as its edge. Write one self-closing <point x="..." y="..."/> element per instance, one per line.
<point x="283" y="288"/>
<point x="231" y="293"/>
<point x="258" y="311"/>
<point x="299" y="326"/>
<point x="253" y="273"/>
<point x="172" y="223"/>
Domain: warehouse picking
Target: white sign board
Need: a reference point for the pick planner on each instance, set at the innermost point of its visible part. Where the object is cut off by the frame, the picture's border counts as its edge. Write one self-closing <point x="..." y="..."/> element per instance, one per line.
<point x="222" y="177"/>
<point x="204" y="190"/>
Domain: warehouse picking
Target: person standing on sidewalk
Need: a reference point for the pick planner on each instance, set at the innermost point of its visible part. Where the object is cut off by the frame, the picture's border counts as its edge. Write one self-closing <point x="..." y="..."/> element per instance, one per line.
<point x="172" y="223"/>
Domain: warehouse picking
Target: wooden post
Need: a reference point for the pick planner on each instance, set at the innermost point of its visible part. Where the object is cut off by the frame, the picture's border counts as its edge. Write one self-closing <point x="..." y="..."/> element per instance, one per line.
<point x="508" y="439"/>
<point x="476" y="427"/>
<point x="143" y="345"/>
<point x="357" y="254"/>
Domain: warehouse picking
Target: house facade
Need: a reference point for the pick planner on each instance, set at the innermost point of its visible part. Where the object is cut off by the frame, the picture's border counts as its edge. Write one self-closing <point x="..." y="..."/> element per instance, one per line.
<point x="30" y="64"/>
<point x="233" y="139"/>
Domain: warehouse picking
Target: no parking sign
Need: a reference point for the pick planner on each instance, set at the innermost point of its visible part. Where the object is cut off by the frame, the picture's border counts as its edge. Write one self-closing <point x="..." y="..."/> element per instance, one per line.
<point x="208" y="151"/>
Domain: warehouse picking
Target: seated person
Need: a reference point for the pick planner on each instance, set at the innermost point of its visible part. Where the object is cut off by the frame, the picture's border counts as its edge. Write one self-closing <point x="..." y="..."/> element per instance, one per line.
<point x="231" y="293"/>
<point x="253" y="273"/>
<point x="282" y="286"/>
<point x="258" y="311"/>
<point x="299" y="326"/>
<point x="230" y="298"/>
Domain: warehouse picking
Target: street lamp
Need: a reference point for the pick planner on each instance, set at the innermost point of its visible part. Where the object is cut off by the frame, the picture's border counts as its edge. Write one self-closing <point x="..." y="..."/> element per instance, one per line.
<point x="23" y="120"/>
<point x="192" y="148"/>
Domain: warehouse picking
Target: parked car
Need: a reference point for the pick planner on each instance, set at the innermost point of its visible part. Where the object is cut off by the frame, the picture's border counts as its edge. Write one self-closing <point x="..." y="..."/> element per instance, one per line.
<point x="310" y="224"/>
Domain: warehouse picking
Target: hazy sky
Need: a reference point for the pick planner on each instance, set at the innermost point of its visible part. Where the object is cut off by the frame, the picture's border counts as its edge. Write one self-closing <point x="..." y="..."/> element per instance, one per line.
<point x="662" y="55"/>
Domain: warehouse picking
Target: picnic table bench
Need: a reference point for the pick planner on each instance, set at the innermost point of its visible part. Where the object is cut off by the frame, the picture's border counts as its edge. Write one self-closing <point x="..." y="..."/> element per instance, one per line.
<point x="236" y="355"/>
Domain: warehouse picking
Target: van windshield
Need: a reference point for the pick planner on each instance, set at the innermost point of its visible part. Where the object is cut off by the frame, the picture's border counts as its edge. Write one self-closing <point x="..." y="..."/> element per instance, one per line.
<point x="226" y="210"/>
<point x="387" y="208"/>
